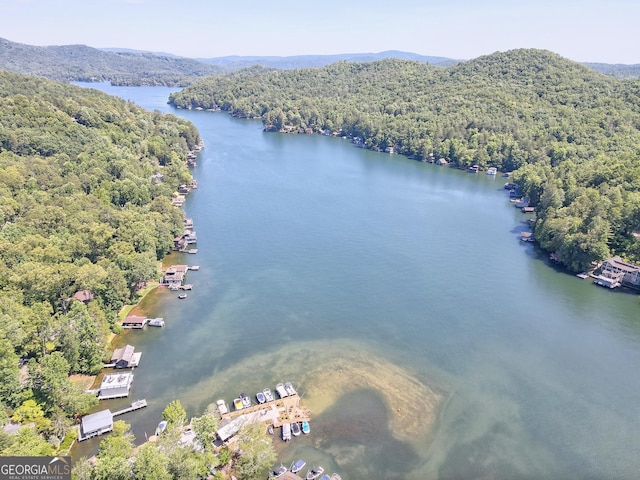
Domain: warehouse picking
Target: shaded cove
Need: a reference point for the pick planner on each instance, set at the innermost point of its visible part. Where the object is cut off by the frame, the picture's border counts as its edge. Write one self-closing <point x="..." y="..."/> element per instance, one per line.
<point x="427" y="341"/>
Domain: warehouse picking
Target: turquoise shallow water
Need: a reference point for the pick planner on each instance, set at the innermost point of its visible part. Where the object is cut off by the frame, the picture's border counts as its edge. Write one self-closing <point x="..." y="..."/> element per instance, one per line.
<point x="309" y="239"/>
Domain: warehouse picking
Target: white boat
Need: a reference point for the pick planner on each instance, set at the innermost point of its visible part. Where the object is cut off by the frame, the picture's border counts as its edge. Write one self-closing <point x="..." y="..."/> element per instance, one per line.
<point x="295" y="429"/>
<point x="182" y="296"/>
<point x="246" y="401"/>
<point x="222" y="407"/>
<point x="156" y="322"/>
<point x="268" y="395"/>
<point x="297" y="466"/>
<point x="237" y="403"/>
<point x="492" y="171"/>
<point x="289" y="388"/>
<point x="314" y="473"/>
<point x="286" y="431"/>
<point x="278" y="471"/>
<point x="162" y="426"/>
<point x="281" y="390"/>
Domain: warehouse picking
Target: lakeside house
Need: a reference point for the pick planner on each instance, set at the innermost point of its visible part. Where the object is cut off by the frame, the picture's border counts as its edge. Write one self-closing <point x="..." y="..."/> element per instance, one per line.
<point x="614" y="272"/>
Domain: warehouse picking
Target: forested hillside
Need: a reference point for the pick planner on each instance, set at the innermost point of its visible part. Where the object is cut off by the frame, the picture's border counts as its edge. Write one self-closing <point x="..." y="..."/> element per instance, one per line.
<point x="81" y="208"/>
<point x="81" y="63"/>
<point x="572" y="135"/>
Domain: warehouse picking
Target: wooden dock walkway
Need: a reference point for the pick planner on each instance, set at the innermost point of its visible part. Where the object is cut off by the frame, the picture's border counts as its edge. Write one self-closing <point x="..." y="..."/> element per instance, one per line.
<point x="137" y="405"/>
<point x="277" y="412"/>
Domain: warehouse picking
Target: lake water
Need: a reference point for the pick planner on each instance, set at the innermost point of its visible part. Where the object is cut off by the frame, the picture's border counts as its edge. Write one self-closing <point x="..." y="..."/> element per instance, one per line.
<point x="313" y="252"/>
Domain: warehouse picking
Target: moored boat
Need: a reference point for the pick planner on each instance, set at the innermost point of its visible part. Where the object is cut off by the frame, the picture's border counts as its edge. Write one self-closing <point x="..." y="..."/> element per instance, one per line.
<point x="237" y="403"/>
<point x="270" y="429"/>
<point x="314" y="473"/>
<point x="335" y="476"/>
<point x="260" y="397"/>
<point x="222" y="407"/>
<point x="162" y="426"/>
<point x="305" y="427"/>
<point x="281" y="391"/>
<point x="278" y="471"/>
<point x="182" y="296"/>
<point x="325" y="477"/>
<point x="295" y="429"/>
<point x="246" y="401"/>
<point x="297" y="466"/>
<point x="268" y="395"/>
<point x="286" y="432"/>
<point x="289" y="388"/>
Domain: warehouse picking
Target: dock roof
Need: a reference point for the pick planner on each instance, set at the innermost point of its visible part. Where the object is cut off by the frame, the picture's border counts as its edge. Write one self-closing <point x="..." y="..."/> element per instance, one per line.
<point x="98" y="421"/>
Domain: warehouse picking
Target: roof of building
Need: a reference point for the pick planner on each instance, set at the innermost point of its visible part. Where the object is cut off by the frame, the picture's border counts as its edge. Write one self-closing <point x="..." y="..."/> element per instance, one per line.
<point x="84" y="295"/>
<point x="135" y="319"/>
<point x="617" y="262"/>
<point x="97" y="421"/>
<point x="123" y="354"/>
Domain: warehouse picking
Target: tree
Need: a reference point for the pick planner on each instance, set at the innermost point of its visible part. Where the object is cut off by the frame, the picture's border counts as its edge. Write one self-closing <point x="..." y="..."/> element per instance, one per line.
<point x="257" y="452"/>
<point x="150" y="463"/>
<point x="205" y="428"/>
<point x="115" y="451"/>
<point x="174" y="414"/>
<point x="27" y="443"/>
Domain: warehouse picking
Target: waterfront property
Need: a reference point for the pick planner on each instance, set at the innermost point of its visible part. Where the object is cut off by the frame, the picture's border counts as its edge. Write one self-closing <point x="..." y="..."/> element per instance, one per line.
<point x="614" y="272"/>
<point x="115" y="385"/>
<point x="95" y="424"/>
<point x="101" y="422"/>
<point x="125" y="357"/>
<point x="134" y="321"/>
<point x="174" y="275"/>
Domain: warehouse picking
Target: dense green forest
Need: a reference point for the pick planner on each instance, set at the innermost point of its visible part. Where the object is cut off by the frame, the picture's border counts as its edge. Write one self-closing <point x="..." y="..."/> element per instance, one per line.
<point x="570" y="135"/>
<point x="86" y="182"/>
<point x="68" y="63"/>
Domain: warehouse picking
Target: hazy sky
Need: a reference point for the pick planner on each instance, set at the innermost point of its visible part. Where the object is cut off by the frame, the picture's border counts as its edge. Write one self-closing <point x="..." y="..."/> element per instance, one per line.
<point x="582" y="30"/>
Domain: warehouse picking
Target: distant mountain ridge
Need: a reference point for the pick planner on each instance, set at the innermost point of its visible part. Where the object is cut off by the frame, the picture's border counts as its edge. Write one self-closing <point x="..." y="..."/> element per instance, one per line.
<point x="82" y="63"/>
<point x="137" y="67"/>
<point x="307" y="61"/>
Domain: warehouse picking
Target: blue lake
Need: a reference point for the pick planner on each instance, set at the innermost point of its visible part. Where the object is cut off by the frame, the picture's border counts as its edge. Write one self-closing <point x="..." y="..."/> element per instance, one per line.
<point x="313" y="252"/>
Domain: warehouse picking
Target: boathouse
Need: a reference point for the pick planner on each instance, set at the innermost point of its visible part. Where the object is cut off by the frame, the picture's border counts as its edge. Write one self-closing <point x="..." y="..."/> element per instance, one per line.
<point x="95" y="424"/>
<point x="174" y="275"/>
<point x="134" y="321"/>
<point x="115" y="385"/>
<point x="125" y="357"/>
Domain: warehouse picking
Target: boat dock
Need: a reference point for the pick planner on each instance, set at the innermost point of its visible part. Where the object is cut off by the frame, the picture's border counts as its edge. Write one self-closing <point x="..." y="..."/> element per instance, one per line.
<point x="137" y="405"/>
<point x="277" y="412"/>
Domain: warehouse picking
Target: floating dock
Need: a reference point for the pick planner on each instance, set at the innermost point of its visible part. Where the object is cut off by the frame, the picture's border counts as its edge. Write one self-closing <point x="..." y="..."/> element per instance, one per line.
<point x="137" y="405"/>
